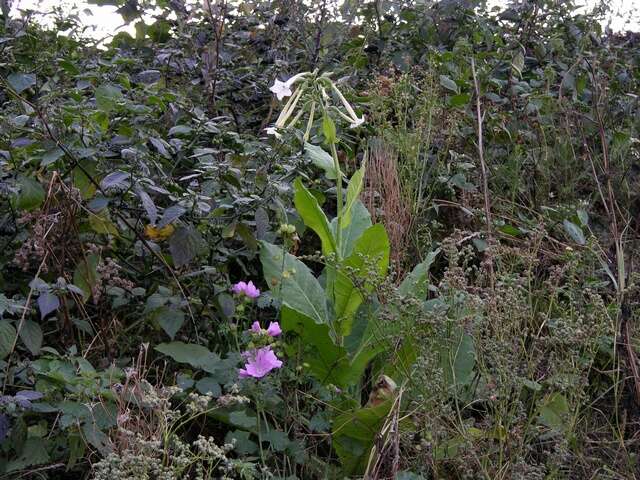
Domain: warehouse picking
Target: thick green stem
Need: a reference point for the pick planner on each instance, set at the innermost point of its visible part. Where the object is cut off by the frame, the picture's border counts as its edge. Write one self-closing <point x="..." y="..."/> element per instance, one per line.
<point x="336" y="164"/>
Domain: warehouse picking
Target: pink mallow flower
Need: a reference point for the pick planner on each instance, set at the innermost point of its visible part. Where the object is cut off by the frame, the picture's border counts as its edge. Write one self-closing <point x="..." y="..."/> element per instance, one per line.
<point x="273" y="330"/>
<point x="248" y="289"/>
<point x="259" y="363"/>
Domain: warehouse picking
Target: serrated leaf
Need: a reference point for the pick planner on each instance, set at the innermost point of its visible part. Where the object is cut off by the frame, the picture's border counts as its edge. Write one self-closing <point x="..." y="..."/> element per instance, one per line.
<point x="7" y="337"/>
<point x="31" y="336"/>
<point x="21" y="81"/>
<point x="185" y="244"/>
<point x="47" y="303"/>
<point x="107" y="95"/>
<point x="31" y="194"/>
<point x="171" y="214"/>
<point x="169" y="319"/>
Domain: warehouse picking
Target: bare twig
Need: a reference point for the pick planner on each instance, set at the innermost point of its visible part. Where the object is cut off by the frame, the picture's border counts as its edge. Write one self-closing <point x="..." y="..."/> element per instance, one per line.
<point x="483" y="168"/>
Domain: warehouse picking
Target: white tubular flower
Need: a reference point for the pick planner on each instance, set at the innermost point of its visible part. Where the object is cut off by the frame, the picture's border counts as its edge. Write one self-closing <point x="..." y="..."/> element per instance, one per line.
<point x="273" y="131"/>
<point x="295" y="78"/>
<point x="346" y="104"/>
<point x="357" y="122"/>
<point x="281" y="89"/>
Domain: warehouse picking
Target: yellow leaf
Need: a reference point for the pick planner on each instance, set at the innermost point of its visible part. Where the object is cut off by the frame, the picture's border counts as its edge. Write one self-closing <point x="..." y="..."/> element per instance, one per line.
<point x="158" y="234"/>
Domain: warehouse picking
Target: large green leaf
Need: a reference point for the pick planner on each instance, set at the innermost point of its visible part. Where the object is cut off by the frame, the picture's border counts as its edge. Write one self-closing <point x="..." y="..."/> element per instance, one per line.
<point x="371" y="250"/>
<point x="354" y="433"/>
<point x="31" y="194"/>
<point x="353" y="193"/>
<point x="293" y="283"/>
<point x="360" y="221"/>
<point x="195" y="355"/>
<point x="321" y="159"/>
<point x="417" y="282"/>
<point x="313" y="216"/>
<point x="86" y="276"/>
<point x="328" y="362"/>
<point x="457" y="358"/>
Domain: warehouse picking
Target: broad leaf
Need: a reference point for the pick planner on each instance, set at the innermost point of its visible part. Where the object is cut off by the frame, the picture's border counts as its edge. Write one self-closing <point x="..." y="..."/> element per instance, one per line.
<point x="195" y="355"/>
<point x="313" y="216"/>
<point x="353" y="193"/>
<point x="371" y="251"/>
<point x="417" y="282"/>
<point x="457" y="358"/>
<point x="47" y="303"/>
<point x="292" y="282"/>
<point x="170" y="319"/>
<point x="575" y="232"/>
<point x="31" y="335"/>
<point x="31" y="194"/>
<point x="21" y="81"/>
<point x="85" y="275"/>
<point x="321" y="159"/>
<point x="360" y="222"/>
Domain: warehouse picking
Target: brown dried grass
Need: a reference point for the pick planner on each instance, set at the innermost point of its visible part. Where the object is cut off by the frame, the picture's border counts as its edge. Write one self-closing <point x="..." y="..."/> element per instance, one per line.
<point x="386" y="201"/>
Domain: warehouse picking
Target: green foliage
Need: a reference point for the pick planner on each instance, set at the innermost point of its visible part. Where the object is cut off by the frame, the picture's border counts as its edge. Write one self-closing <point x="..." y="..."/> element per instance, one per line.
<point x="138" y="185"/>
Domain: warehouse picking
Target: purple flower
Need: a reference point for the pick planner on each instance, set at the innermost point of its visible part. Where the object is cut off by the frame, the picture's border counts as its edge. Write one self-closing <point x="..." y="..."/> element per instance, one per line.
<point x="259" y="363"/>
<point x="273" y="330"/>
<point x="248" y="289"/>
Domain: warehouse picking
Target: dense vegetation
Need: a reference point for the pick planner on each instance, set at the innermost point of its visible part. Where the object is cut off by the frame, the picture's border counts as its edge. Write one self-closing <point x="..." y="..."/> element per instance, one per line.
<point x="313" y="240"/>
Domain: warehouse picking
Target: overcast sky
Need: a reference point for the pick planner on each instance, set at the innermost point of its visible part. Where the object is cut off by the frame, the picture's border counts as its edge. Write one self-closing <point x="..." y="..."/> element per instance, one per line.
<point x="104" y="20"/>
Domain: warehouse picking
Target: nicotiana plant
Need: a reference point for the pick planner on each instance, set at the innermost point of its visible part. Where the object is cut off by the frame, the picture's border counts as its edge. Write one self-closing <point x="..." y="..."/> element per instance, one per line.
<point x="333" y="315"/>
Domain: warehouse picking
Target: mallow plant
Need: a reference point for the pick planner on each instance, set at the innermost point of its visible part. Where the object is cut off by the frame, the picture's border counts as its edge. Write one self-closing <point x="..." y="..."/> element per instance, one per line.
<point x="330" y="319"/>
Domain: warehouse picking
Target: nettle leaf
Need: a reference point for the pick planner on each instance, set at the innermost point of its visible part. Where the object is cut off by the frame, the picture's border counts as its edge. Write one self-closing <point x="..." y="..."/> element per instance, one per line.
<point x="293" y="283"/>
<point x="185" y="244"/>
<point x="116" y="180"/>
<point x="31" y="194"/>
<point x="169" y="319"/>
<point x="47" y="303"/>
<point x="31" y="336"/>
<point x="21" y="81"/>
<point x="195" y="355"/>
<point x="313" y="216"/>
<point x="171" y="214"/>
<point x="321" y="159"/>
<point x="148" y="205"/>
<point x="85" y="275"/>
<point x="7" y="337"/>
<point x="107" y="96"/>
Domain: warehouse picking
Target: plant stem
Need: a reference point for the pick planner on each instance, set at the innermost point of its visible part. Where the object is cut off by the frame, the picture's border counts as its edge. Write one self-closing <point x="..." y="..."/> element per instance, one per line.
<point x="336" y="164"/>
